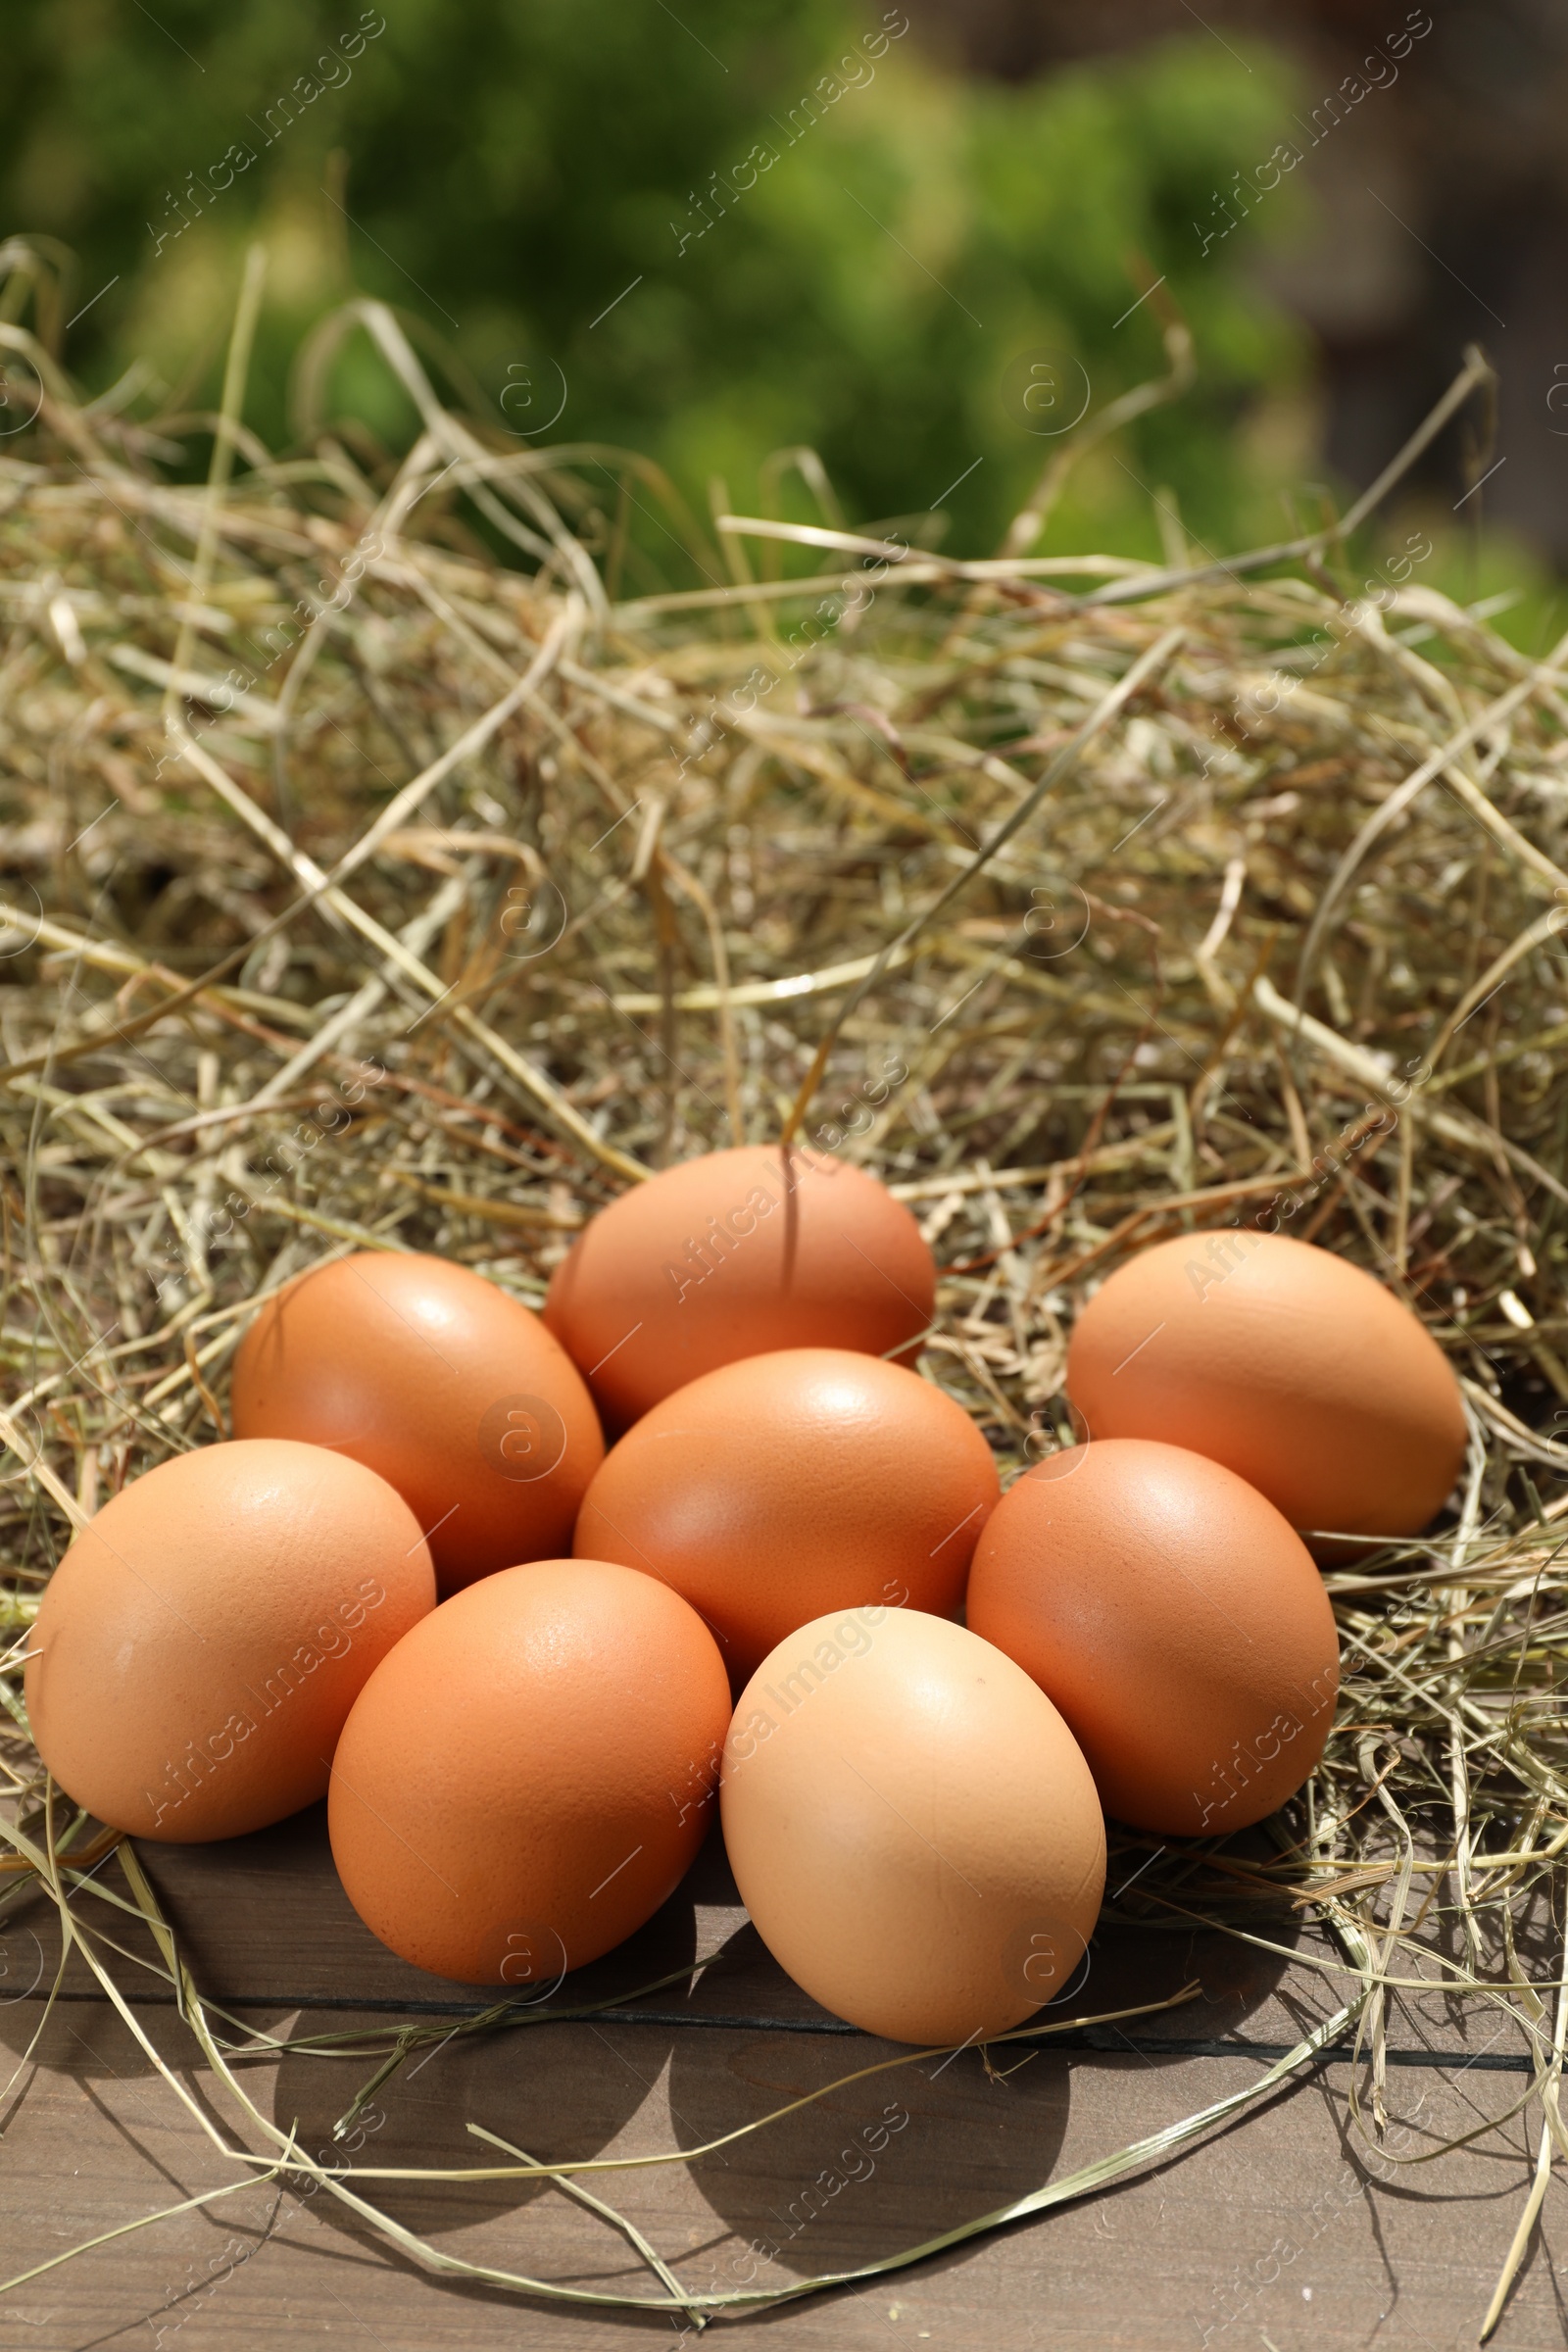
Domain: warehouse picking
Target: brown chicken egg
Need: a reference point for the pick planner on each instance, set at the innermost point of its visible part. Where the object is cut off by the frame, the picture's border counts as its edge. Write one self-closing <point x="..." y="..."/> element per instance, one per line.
<point x="528" y="1776"/>
<point x="911" y="1826"/>
<point x="1291" y="1366"/>
<point x="737" y="1254"/>
<point x="206" y="1635"/>
<point x="1176" y="1620"/>
<point x="785" y="1484"/>
<point x="431" y="1375"/>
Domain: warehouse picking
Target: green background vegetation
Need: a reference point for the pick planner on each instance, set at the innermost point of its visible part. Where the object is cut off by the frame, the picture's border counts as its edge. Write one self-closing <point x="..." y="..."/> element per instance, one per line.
<point x="501" y="172"/>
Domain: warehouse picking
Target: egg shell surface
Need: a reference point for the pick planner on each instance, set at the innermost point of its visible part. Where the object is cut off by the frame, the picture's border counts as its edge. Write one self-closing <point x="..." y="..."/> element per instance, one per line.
<point x="203" y="1637"/>
<point x="432" y="1376"/>
<point x="784" y="1486"/>
<point x="1177" y="1621"/>
<point x="737" y="1254"/>
<point x="1293" y="1367"/>
<point x="911" y="1826"/>
<point x="527" y="1778"/>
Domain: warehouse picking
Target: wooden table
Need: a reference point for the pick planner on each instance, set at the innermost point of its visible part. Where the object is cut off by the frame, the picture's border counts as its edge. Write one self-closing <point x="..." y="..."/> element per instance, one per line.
<point x="1274" y="2231"/>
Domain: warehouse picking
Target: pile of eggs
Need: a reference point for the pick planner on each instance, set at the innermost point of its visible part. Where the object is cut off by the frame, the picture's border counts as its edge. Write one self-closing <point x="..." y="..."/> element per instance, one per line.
<point x="518" y="1665"/>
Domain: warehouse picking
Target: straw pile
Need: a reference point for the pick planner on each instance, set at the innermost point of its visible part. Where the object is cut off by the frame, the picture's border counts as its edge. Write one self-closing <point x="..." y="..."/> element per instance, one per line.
<point x="387" y="864"/>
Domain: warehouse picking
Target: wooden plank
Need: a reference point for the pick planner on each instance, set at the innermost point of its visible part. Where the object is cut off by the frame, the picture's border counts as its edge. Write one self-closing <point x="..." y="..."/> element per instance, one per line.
<point x="1215" y="2249"/>
<point x="1273" y="2229"/>
<point x="265" y="1923"/>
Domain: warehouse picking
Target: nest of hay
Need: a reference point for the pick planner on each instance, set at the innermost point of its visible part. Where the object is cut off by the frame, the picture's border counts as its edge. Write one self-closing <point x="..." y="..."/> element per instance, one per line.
<point x="379" y="872"/>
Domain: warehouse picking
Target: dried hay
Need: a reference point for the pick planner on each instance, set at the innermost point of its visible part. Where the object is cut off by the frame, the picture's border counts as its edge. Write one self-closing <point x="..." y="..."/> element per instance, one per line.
<point x="1085" y="901"/>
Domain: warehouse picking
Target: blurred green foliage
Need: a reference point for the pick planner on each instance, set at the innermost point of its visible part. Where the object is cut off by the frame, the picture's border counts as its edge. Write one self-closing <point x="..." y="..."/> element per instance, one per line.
<point x="506" y="174"/>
